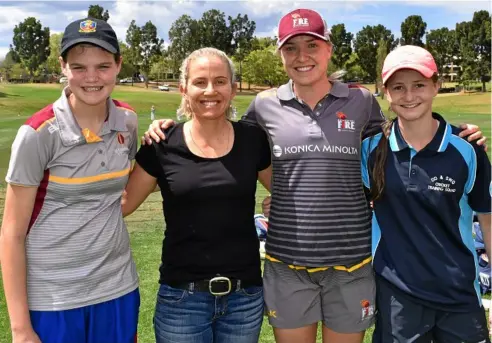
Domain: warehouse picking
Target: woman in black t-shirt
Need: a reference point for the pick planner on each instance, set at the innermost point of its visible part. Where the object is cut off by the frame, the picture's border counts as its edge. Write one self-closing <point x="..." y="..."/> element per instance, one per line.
<point x="207" y="168"/>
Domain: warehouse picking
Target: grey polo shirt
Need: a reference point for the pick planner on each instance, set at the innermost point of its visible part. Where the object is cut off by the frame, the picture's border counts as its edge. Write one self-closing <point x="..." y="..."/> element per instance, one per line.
<point x="319" y="213"/>
<point x="78" y="247"/>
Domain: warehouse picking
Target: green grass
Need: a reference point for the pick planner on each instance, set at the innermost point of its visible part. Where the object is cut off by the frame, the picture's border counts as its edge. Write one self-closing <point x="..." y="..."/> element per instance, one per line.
<point x="18" y="102"/>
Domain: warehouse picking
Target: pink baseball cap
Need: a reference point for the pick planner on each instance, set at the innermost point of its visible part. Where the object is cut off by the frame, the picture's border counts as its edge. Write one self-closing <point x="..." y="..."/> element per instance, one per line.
<point x="302" y="22"/>
<point x="409" y="57"/>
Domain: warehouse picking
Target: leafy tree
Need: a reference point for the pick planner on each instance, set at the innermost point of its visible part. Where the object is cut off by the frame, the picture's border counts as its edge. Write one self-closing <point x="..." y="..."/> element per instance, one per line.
<point x="354" y="70"/>
<point x="241" y="30"/>
<point x="264" y="67"/>
<point x="440" y="43"/>
<point x="97" y="12"/>
<point x="382" y="52"/>
<point x="258" y="43"/>
<point x="127" y="68"/>
<point x="7" y="65"/>
<point x="31" y="43"/>
<point x="133" y="53"/>
<point x="184" y="35"/>
<point x="160" y="68"/>
<point x="473" y="42"/>
<point x="214" y="31"/>
<point x="480" y="31"/>
<point x="412" y="30"/>
<point x="150" y="48"/>
<point x="366" y="46"/>
<point x="342" y="45"/>
<point x="52" y="63"/>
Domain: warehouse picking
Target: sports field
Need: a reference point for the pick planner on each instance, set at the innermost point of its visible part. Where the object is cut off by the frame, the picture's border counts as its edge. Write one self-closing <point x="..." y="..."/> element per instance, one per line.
<point x="18" y="102"/>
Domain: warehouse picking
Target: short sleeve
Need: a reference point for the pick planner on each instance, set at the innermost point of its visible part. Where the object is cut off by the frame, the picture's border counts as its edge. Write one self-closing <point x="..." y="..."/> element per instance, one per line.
<point x="365" y="151"/>
<point x="375" y="120"/>
<point x="28" y="159"/>
<point x="250" y="115"/>
<point x="479" y="197"/>
<point x="133" y="144"/>
<point x="264" y="153"/>
<point x="146" y="157"/>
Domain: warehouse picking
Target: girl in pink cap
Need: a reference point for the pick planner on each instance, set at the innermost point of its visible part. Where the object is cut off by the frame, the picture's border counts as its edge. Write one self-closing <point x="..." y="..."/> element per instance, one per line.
<point x="425" y="182"/>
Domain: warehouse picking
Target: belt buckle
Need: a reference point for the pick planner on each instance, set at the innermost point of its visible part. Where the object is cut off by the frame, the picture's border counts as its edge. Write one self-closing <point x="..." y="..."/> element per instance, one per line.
<point x="219" y="279"/>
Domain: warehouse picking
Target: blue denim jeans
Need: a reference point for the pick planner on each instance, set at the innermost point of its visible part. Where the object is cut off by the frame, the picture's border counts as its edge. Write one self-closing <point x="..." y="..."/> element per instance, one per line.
<point x="182" y="316"/>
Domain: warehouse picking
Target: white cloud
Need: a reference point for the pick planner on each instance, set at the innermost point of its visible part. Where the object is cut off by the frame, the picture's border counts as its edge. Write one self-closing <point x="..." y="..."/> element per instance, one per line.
<point x="3" y="52"/>
<point x="266" y="13"/>
<point x="262" y="8"/>
<point x="461" y="7"/>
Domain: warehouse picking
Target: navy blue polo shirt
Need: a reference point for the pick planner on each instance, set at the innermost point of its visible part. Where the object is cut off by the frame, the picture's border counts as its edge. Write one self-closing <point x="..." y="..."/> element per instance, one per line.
<point x="422" y="239"/>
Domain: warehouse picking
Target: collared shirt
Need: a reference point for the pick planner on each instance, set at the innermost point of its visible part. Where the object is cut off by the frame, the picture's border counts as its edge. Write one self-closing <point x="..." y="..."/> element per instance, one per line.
<point x="77" y="247"/>
<point x="319" y="214"/>
<point x="422" y="224"/>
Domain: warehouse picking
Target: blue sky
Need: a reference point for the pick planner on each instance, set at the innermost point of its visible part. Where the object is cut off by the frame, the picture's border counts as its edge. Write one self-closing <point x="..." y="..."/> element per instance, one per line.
<point x="266" y="13"/>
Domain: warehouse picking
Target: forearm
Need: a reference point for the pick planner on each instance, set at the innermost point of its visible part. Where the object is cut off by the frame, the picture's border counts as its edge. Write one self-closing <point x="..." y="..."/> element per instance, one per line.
<point x="13" y="262"/>
<point x="265" y="178"/>
<point x="138" y="188"/>
<point x="485" y="221"/>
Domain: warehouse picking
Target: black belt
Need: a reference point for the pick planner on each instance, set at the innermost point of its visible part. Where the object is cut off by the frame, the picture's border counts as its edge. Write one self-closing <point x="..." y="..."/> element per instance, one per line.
<point x="219" y="285"/>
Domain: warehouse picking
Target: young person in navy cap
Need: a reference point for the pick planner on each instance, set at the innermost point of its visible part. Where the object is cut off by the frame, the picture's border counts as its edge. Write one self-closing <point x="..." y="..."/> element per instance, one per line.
<point x="318" y="251"/>
<point x="425" y="182"/>
<point x="67" y="268"/>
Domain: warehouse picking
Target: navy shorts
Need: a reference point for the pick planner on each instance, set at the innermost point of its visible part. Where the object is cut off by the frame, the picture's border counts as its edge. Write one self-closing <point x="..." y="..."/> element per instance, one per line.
<point x="400" y="319"/>
<point x="113" y="321"/>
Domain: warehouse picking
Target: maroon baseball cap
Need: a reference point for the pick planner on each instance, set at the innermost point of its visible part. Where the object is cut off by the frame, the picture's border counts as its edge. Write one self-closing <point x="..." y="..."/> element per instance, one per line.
<point x="302" y="22"/>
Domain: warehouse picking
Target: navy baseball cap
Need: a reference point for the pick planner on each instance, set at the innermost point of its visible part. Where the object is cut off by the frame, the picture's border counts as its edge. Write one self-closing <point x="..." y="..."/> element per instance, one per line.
<point x="92" y="31"/>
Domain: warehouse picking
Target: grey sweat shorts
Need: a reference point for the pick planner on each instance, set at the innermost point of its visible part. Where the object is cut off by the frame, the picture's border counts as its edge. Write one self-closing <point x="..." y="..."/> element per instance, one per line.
<point x="345" y="301"/>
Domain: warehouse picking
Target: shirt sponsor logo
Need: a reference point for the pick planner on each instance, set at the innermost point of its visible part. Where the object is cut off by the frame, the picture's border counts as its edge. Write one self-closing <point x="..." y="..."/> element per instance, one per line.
<point x="296" y="149"/>
<point x="442" y="184"/>
<point x="345" y="124"/>
<point x="277" y="151"/>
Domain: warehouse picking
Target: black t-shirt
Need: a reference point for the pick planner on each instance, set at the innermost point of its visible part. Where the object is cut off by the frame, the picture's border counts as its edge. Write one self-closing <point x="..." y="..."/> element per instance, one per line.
<point x="208" y="205"/>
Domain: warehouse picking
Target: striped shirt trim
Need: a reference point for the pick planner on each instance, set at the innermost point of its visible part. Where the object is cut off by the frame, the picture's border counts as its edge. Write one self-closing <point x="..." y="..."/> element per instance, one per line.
<point x="319" y="269"/>
<point x="89" y="179"/>
<point x="39" y="119"/>
<point x="39" y="202"/>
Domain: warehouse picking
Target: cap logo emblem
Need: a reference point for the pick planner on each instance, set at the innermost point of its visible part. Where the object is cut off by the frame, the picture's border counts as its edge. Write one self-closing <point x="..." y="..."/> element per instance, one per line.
<point x="300" y="22"/>
<point x="87" y="26"/>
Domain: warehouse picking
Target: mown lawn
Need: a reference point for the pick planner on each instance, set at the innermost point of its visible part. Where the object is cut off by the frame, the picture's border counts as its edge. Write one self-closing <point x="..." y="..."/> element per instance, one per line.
<point x="18" y="102"/>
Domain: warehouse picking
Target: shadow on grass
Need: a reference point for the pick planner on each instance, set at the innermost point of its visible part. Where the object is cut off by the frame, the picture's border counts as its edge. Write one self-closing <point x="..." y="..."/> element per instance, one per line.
<point x="5" y="95"/>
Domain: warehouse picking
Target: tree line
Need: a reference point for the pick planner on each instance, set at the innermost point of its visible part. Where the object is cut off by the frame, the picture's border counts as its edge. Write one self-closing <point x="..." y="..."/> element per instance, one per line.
<point x="35" y="52"/>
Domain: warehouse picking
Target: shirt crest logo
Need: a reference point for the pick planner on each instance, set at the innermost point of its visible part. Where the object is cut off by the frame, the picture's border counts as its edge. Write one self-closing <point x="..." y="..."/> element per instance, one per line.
<point x="121" y="139"/>
<point x="88" y="26"/>
<point x="442" y="184"/>
<point x="345" y="124"/>
<point x="367" y="309"/>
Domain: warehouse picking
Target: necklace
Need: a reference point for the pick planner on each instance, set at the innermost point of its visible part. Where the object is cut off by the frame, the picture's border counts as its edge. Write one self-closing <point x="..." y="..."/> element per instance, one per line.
<point x="203" y="153"/>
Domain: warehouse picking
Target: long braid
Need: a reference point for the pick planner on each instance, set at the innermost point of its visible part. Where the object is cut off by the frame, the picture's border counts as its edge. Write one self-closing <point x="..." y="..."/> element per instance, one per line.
<point x="378" y="175"/>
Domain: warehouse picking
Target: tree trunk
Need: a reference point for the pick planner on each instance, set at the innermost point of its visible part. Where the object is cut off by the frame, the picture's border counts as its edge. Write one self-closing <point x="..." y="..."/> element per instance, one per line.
<point x="483" y="86"/>
<point x="375" y="87"/>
